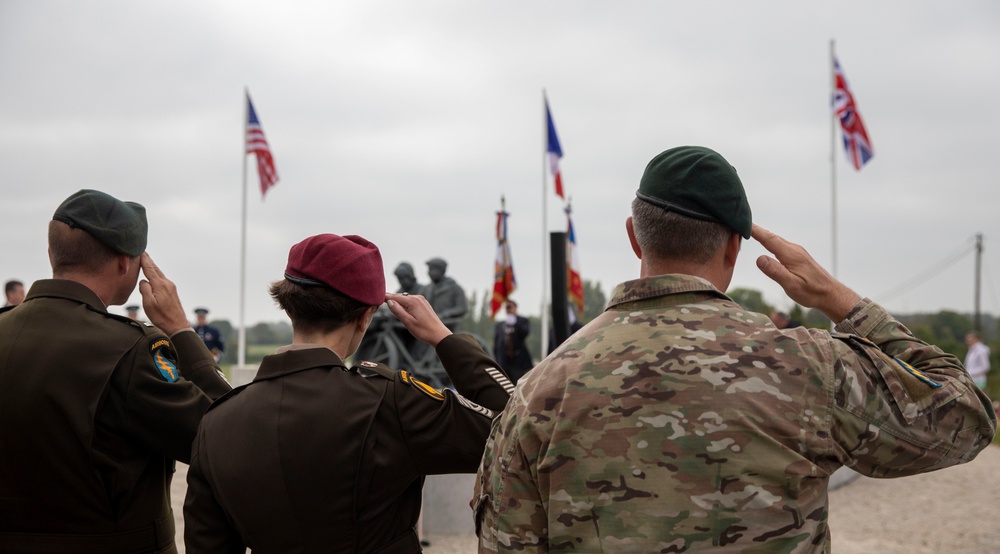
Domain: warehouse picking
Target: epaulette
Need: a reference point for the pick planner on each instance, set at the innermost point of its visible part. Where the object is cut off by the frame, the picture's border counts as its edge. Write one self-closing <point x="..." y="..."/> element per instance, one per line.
<point x="372" y="369"/>
<point x="229" y="395"/>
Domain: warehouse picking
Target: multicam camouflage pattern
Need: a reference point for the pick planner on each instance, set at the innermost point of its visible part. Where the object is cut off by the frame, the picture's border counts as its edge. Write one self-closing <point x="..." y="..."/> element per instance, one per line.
<point x="677" y="421"/>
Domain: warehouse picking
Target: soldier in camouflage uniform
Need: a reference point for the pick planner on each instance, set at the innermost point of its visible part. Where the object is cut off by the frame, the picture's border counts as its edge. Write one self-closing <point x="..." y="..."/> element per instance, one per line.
<point x="677" y="421"/>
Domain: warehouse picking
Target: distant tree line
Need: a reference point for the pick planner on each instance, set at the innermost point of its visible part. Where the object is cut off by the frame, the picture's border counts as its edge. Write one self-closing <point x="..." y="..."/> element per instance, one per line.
<point x="945" y="329"/>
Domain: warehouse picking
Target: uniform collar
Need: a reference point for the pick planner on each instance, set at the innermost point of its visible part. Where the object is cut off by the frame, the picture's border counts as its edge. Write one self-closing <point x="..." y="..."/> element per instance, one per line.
<point x="293" y="360"/>
<point x="66" y="289"/>
<point x="662" y="285"/>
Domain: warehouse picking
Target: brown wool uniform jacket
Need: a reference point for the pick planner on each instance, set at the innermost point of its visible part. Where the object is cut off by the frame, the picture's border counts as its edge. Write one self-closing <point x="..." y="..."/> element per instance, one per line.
<point x="94" y="408"/>
<point x="315" y="457"/>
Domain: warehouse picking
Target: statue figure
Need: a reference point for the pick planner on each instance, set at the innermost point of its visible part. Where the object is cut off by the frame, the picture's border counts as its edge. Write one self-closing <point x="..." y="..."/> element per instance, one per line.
<point x="444" y="294"/>
<point x="407" y="279"/>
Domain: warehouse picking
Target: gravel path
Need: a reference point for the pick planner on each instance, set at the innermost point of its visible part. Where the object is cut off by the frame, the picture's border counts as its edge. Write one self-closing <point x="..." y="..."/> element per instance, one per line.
<point x="944" y="511"/>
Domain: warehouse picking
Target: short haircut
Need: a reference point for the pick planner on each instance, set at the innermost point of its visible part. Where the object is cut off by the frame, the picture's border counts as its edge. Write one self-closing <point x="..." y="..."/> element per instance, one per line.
<point x="670" y="236"/>
<point x="72" y="249"/>
<point x="316" y="309"/>
<point x="11" y="285"/>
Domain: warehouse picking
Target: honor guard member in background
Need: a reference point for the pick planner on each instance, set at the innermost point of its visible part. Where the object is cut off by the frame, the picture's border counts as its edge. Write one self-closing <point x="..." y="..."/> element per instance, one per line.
<point x="317" y="456"/>
<point x="14" y="290"/>
<point x="132" y="312"/>
<point x="510" y="346"/>
<point x="95" y="407"/>
<point x="210" y="335"/>
<point x="677" y="421"/>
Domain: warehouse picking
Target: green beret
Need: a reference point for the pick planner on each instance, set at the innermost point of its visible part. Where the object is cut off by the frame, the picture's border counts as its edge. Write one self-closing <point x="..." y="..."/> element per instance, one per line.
<point x="697" y="182"/>
<point x="118" y="225"/>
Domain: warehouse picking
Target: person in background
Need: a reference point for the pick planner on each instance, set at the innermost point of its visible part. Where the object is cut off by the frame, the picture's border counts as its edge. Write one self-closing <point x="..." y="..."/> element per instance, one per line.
<point x="318" y="456"/>
<point x="510" y="349"/>
<point x="95" y="406"/>
<point x="210" y="335"/>
<point x="14" y="291"/>
<point x="132" y="312"/>
<point x="782" y="320"/>
<point x="678" y="421"/>
<point x="977" y="359"/>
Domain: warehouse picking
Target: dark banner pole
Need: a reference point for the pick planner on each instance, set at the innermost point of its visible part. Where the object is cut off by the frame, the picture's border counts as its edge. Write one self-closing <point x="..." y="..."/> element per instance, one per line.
<point x="560" y="302"/>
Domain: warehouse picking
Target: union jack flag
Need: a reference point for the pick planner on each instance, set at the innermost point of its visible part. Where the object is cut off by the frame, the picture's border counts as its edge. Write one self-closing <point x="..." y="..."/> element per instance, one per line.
<point x="856" y="143"/>
<point x="257" y="144"/>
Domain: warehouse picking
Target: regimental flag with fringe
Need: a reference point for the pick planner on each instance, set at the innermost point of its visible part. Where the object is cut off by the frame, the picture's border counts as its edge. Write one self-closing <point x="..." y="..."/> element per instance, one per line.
<point x="554" y="150"/>
<point x="859" y="148"/>
<point x="503" y="270"/>
<point x="573" y="282"/>
<point x="257" y="144"/>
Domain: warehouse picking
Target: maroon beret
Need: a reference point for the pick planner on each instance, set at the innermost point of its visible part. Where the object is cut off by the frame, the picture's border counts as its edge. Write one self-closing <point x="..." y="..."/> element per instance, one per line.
<point x="349" y="265"/>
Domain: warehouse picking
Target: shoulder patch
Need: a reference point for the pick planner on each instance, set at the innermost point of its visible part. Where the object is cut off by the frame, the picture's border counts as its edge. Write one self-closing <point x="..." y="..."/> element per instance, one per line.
<point x="166" y="366"/>
<point x="917" y="373"/>
<point x="421" y="386"/>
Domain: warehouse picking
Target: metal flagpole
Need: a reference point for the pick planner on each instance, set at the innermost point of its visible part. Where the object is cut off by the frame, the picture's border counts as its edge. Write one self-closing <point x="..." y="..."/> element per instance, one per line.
<point x="545" y="229"/>
<point x="833" y="158"/>
<point x="241" y="356"/>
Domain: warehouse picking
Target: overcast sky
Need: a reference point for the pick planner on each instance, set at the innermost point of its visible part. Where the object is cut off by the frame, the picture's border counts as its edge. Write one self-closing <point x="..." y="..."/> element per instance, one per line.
<point x="405" y="122"/>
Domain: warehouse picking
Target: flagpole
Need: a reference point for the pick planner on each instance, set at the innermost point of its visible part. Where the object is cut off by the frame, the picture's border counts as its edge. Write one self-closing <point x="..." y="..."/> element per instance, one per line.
<point x="241" y="353"/>
<point x="545" y="227"/>
<point x="833" y="158"/>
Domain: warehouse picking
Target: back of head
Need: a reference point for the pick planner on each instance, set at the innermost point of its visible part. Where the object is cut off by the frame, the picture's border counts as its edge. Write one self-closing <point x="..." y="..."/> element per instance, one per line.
<point x="689" y="201"/>
<point x="90" y="228"/>
<point x="330" y="281"/>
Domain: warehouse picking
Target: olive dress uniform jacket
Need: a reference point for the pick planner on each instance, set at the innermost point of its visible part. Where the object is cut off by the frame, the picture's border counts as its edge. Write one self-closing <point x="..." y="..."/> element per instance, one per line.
<point x="94" y="408"/>
<point x="313" y="456"/>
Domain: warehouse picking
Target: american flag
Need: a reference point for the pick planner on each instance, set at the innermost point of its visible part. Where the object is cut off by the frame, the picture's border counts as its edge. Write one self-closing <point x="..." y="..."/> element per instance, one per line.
<point x="503" y="270"/>
<point x="554" y="150"/>
<point x="856" y="143"/>
<point x="257" y="144"/>
<point x="573" y="282"/>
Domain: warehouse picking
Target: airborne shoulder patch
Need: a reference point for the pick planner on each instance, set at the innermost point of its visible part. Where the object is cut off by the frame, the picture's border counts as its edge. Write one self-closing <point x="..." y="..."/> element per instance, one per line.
<point x="160" y="350"/>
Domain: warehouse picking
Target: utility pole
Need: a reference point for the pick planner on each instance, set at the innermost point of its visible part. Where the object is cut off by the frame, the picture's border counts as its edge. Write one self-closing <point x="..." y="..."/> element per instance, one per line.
<point x="979" y="269"/>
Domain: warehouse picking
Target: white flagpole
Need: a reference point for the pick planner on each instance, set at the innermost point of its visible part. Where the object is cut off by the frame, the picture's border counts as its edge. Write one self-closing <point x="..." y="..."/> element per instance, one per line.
<point x="242" y="357"/>
<point x="545" y="230"/>
<point x="833" y="159"/>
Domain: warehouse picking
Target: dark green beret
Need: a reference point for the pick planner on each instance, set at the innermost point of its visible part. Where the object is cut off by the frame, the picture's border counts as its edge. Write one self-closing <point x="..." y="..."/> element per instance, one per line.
<point x="697" y="182"/>
<point x="118" y="225"/>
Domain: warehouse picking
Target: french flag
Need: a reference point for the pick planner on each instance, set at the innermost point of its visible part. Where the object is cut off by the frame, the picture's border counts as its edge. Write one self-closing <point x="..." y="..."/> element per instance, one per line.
<point x="554" y="150"/>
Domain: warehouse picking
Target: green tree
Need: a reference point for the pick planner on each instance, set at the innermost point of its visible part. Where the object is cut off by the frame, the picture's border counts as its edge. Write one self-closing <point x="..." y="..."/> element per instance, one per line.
<point x="594" y="300"/>
<point x="751" y="300"/>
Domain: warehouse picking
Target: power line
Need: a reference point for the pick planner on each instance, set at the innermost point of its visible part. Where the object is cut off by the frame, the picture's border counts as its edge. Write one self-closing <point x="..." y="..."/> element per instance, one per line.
<point x="926" y="274"/>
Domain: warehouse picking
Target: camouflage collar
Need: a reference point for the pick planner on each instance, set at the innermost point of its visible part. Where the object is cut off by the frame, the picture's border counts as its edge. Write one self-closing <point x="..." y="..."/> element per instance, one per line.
<point x="661" y="285"/>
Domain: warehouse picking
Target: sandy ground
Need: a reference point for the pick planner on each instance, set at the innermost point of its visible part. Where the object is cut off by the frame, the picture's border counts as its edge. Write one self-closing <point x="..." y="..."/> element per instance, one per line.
<point x="945" y="511"/>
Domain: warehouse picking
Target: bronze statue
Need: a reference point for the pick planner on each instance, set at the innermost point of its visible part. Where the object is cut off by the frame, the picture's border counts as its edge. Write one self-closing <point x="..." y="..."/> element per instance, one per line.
<point x="444" y="294"/>
<point x="407" y="279"/>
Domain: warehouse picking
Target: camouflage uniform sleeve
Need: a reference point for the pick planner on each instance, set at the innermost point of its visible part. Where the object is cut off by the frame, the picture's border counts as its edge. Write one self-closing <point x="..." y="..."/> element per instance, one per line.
<point x="902" y="406"/>
<point x="507" y="505"/>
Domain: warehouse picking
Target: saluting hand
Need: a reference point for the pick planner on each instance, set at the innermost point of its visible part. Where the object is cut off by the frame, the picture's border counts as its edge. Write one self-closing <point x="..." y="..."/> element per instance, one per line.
<point x="417" y="315"/>
<point x="159" y="298"/>
<point x="804" y="280"/>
